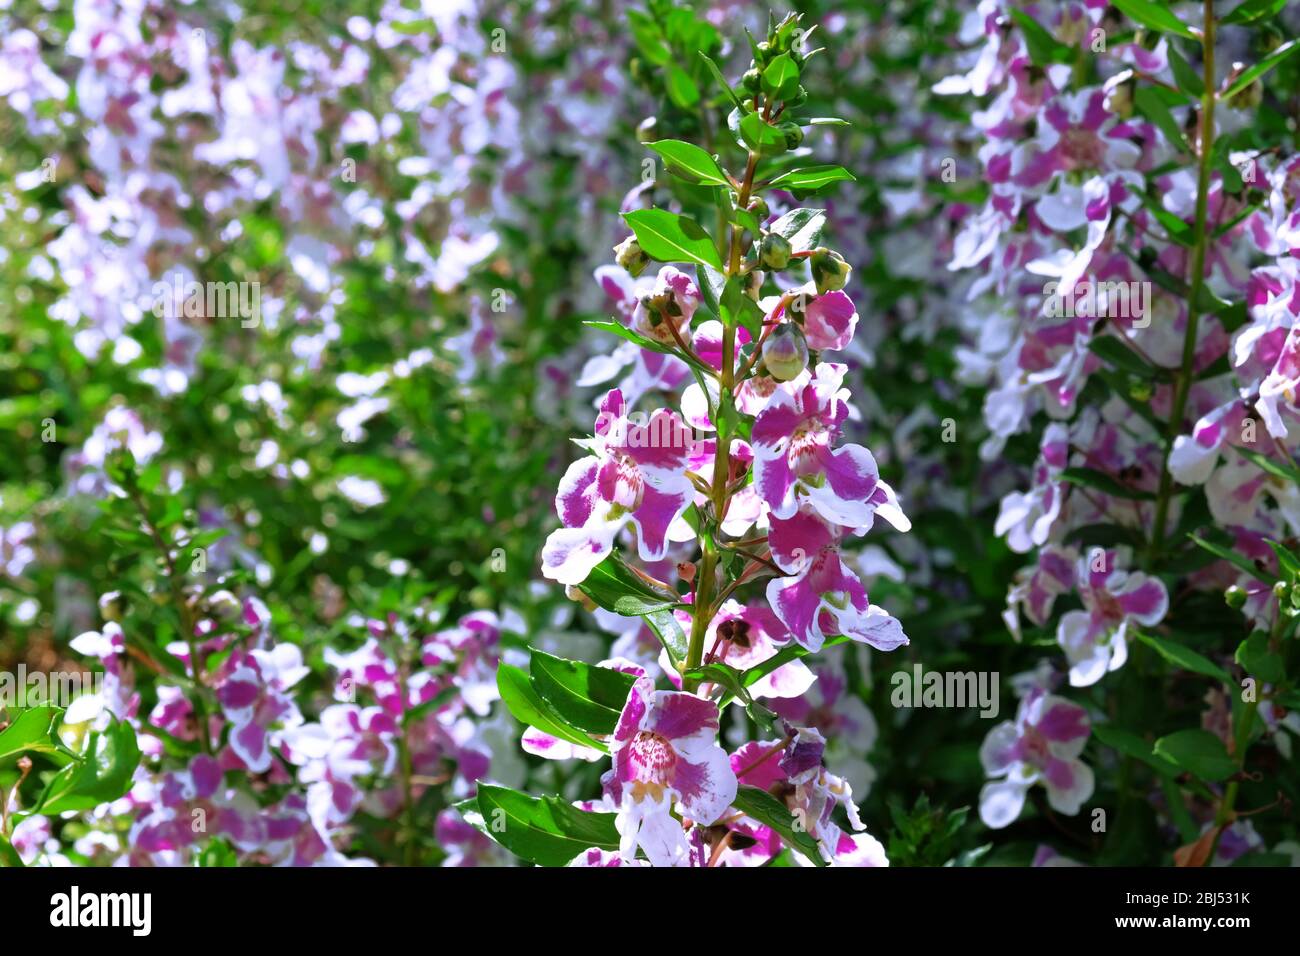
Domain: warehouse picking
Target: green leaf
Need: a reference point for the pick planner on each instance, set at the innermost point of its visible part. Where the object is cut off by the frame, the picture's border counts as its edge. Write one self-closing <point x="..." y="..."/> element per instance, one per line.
<point x="1044" y="49"/>
<point x="1262" y="67"/>
<point x="623" y="332"/>
<point x="648" y="39"/>
<point x="739" y="309"/>
<point x="8" y="855"/>
<point x="760" y="136"/>
<point x="1131" y="745"/>
<point x="526" y="704"/>
<point x="1188" y="80"/>
<point x="546" y="831"/>
<point x="130" y="537"/>
<point x="588" y="697"/>
<point x="711" y="284"/>
<point x="1155" y="16"/>
<point x="33" y="730"/>
<point x="1186" y="658"/>
<point x="771" y="812"/>
<point x="722" y="82"/>
<point x="1113" y="350"/>
<point x="616" y="587"/>
<point x="102" y="775"/>
<point x="1254" y="10"/>
<point x="205" y="538"/>
<point x="670" y="634"/>
<point x="1233" y="557"/>
<point x="1283" y="470"/>
<point x="1286" y="558"/>
<point x="802" y="228"/>
<point x="1149" y="103"/>
<point x="1259" y="661"/>
<point x="681" y="88"/>
<point x="811" y="178"/>
<point x="1198" y="752"/>
<point x="781" y="78"/>
<point x="218" y="853"/>
<point x="1178" y="230"/>
<point x="724" y="675"/>
<point x="687" y="161"/>
<point x="1099" y="480"/>
<point x="668" y="237"/>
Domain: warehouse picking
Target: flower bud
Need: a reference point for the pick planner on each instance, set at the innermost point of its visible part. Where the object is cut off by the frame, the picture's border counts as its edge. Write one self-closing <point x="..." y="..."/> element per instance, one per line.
<point x="1235" y="597"/>
<point x="1139" y="389"/>
<point x="785" y="353"/>
<point x="758" y="206"/>
<point x="752" y="80"/>
<point x="753" y="283"/>
<point x="829" y="270"/>
<point x="774" y="252"/>
<point x="628" y="254"/>
<point x="647" y="130"/>
<point x="110" y="606"/>
<point x="1280" y="590"/>
<point x="1120" y="99"/>
<point x="574" y="594"/>
<point x="224" y="605"/>
<point x="793" y="134"/>
<point x="1249" y="98"/>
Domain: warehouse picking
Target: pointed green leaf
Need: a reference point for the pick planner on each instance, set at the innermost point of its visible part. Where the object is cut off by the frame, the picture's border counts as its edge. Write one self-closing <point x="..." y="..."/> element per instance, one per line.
<point x="1199" y="752"/>
<point x="669" y="237"/>
<point x="771" y="812"/>
<point x="688" y="162"/>
<point x="811" y="178"/>
<point x="802" y="228"/>
<point x="1156" y="17"/>
<point x="588" y="697"/>
<point x="102" y="775"/>
<point x="546" y="831"/>
<point x="1186" y="658"/>
<point x="1263" y="66"/>
<point x="526" y="704"/>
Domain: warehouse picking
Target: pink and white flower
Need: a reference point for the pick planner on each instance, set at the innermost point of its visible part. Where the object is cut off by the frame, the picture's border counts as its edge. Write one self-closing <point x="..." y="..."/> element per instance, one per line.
<point x="636" y="476"/>
<point x="1041" y="746"/>
<point x="821" y="597"/>
<point x="794" y="459"/>
<point x="1096" y="639"/>
<point x="666" y="754"/>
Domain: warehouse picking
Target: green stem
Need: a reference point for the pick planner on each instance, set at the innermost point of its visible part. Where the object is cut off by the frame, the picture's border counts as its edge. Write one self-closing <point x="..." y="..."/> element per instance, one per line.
<point x="1183" y="383"/>
<point x="182" y="610"/>
<point x="702" y="610"/>
<point x="1227" y="806"/>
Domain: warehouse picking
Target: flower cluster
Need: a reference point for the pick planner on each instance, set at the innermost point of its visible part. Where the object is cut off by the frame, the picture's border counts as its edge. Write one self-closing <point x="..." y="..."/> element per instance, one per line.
<point x="1121" y="283"/>
<point x="751" y="480"/>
